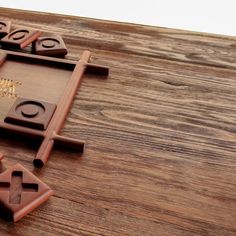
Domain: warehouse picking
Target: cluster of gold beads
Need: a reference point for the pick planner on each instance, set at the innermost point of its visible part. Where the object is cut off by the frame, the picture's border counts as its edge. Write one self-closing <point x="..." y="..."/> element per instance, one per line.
<point x="8" y="88"/>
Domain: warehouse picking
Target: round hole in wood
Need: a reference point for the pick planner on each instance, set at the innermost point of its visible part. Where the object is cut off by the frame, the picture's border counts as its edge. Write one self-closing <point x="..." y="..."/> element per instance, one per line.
<point x="38" y="163"/>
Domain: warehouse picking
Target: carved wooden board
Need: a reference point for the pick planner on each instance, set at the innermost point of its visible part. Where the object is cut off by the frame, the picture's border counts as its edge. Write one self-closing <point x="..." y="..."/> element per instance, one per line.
<point x="31" y="80"/>
<point x="160" y="134"/>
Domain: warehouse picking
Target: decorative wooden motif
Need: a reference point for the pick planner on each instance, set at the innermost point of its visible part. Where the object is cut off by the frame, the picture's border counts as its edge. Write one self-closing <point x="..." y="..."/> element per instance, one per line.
<point x="5" y="27"/>
<point x="39" y="111"/>
<point x="21" y="192"/>
<point x="50" y="46"/>
<point x="23" y="112"/>
<point x="8" y="88"/>
<point x="31" y="113"/>
<point x="20" y="38"/>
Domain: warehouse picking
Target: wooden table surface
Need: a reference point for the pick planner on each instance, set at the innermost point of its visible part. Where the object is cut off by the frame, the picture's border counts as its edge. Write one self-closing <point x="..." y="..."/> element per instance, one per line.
<point x="160" y="157"/>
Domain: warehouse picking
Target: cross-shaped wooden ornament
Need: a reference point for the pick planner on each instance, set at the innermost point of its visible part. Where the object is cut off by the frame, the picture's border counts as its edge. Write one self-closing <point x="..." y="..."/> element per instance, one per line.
<point x="16" y="187"/>
<point x="20" y="192"/>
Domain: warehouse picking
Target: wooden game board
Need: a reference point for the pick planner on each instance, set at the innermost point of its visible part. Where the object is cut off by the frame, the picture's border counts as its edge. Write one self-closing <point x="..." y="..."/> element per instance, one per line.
<point x="36" y="95"/>
<point x="160" y="134"/>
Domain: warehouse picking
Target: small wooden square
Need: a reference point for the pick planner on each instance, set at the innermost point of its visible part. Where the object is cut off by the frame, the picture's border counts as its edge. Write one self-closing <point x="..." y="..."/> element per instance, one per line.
<point x="50" y="46"/>
<point x="21" y="192"/>
<point x="5" y="27"/>
<point x="20" y="38"/>
<point x="31" y="113"/>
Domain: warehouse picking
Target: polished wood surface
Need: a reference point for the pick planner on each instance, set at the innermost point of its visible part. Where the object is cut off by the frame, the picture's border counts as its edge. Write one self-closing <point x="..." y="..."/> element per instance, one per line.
<point x="160" y="134"/>
<point x="47" y="117"/>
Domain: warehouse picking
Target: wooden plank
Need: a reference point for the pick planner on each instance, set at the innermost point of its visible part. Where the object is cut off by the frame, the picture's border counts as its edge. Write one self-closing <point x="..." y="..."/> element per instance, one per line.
<point x="160" y="134"/>
<point x="171" y="44"/>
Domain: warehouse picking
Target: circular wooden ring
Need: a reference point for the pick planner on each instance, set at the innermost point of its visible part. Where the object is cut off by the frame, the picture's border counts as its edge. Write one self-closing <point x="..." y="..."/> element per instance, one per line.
<point x="30" y="109"/>
<point x="2" y="25"/>
<point x="17" y="35"/>
<point x="49" y="42"/>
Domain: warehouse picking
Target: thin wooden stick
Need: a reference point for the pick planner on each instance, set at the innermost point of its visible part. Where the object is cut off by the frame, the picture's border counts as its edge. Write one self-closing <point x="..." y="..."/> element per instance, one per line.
<point x="3" y="57"/>
<point x="21" y="130"/>
<point x="72" y="143"/>
<point x="97" y="69"/>
<point x="61" y="111"/>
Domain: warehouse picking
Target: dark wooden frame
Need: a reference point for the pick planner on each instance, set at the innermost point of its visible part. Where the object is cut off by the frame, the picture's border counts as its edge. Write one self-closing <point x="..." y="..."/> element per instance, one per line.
<point x="51" y="135"/>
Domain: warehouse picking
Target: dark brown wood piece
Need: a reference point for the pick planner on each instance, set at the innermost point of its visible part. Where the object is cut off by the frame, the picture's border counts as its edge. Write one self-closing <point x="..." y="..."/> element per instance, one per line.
<point x="97" y="69"/>
<point x="20" y="38"/>
<point x="50" y="46"/>
<point x="31" y="113"/>
<point x="1" y="156"/>
<point x="5" y="27"/>
<point x="21" y="192"/>
<point x="71" y="143"/>
<point x="3" y="56"/>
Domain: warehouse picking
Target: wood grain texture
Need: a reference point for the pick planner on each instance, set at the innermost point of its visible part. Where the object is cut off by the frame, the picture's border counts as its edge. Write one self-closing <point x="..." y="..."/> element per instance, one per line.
<point x="160" y="133"/>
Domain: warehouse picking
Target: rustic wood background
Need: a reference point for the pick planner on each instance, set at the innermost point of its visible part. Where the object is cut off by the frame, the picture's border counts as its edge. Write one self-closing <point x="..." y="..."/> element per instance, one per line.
<point x="160" y="133"/>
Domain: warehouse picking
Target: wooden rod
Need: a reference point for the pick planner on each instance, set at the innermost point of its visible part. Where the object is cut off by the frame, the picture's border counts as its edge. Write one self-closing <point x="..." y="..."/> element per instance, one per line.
<point x="1" y="156"/>
<point x="75" y="144"/>
<point x="3" y="57"/>
<point x="14" y="54"/>
<point x="21" y="130"/>
<point x="62" y="110"/>
<point x="97" y="69"/>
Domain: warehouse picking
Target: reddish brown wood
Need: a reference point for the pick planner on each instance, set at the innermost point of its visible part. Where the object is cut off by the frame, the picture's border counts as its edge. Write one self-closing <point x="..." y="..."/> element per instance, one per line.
<point x="25" y="116"/>
<point x="62" y="110"/>
<point x="160" y="158"/>
<point x="5" y="27"/>
<point x="3" y="57"/>
<point x="71" y="143"/>
<point x="21" y="192"/>
<point x="4" y="233"/>
<point x="33" y="57"/>
<point x="20" y="38"/>
<point x="50" y="46"/>
<point x="31" y="113"/>
<point x="16" y="129"/>
<point x="97" y="69"/>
